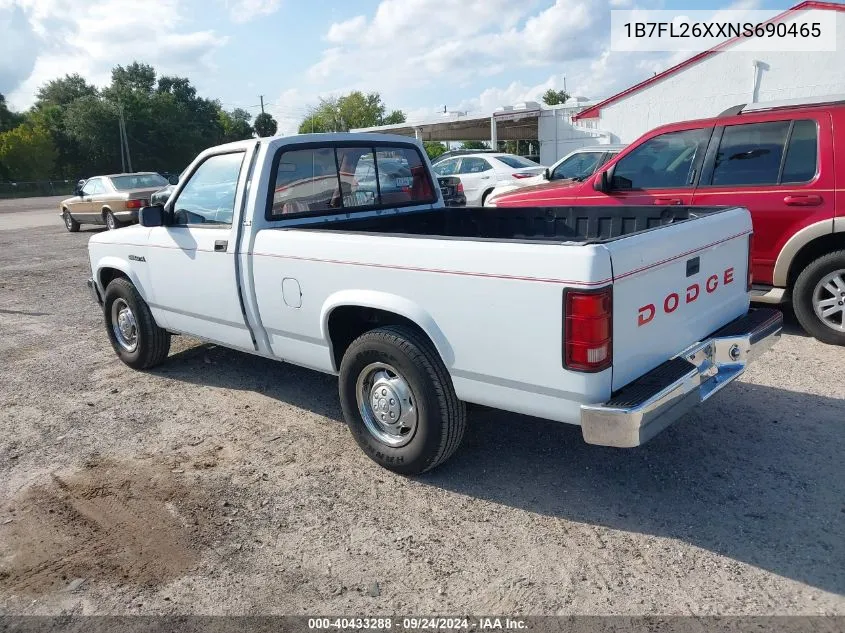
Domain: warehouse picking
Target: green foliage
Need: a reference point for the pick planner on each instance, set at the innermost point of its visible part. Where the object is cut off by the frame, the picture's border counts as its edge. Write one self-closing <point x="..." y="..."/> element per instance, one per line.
<point x="434" y="149"/>
<point x="555" y="97"/>
<point x="265" y="125"/>
<point x="235" y="125"/>
<point x="474" y="145"/>
<point x="8" y="119"/>
<point x="64" y="91"/>
<point x="27" y="151"/>
<point x="355" y="110"/>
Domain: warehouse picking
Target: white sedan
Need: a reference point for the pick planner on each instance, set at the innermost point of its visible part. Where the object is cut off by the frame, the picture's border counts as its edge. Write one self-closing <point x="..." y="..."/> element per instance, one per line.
<point x="576" y="165"/>
<point x="480" y="173"/>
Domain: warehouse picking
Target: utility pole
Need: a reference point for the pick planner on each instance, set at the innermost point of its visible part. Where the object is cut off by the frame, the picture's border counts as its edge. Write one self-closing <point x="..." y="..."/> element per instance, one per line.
<point x="262" y="103"/>
<point x="124" y="139"/>
<point x="120" y="132"/>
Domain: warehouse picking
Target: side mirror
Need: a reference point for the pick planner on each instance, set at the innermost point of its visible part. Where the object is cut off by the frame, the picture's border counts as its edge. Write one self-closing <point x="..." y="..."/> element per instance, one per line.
<point x="547" y="174"/>
<point x="151" y="216"/>
<point x="602" y="182"/>
<point x="77" y="191"/>
<point x="173" y="179"/>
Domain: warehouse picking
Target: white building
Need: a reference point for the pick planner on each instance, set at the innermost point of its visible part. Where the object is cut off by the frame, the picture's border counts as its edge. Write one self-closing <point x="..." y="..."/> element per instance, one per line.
<point x="717" y="79"/>
<point x="552" y="126"/>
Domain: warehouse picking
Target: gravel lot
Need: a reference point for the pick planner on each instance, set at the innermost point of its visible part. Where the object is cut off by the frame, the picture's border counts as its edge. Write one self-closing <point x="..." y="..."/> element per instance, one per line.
<point x="221" y="483"/>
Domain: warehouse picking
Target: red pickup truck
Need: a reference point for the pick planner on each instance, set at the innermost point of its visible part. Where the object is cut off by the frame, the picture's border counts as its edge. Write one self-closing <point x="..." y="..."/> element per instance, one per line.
<point x="776" y="159"/>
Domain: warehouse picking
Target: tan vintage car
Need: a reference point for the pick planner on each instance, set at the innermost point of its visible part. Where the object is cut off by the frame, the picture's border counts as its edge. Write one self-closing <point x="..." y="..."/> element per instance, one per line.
<point x="111" y="200"/>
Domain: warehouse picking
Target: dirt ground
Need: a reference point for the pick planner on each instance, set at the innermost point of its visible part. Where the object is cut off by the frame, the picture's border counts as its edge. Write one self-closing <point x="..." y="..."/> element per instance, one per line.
<point x="221" y="483"/>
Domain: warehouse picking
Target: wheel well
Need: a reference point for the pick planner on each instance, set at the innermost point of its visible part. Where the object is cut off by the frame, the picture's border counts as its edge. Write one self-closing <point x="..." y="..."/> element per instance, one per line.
<point x="484" y="196"/>
<point x="346" y="323"/>
<point x="107" y="275"/>
<point x="812" y="251"/>
<point x="104" y="211"/>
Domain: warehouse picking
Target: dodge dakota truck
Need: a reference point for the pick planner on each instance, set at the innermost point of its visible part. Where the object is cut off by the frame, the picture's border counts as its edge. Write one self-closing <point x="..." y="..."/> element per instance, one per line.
<point x="618" y="319"/>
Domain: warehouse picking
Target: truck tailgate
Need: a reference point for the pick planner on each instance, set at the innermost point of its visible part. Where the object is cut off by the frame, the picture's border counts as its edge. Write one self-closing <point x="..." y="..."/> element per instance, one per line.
<point x="674" y="285"/>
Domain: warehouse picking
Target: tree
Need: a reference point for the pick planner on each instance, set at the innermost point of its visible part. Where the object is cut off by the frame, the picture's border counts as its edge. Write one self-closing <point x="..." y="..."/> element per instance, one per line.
<point x="64" y="91"/>
<point x="27" y="152"/>
<point x="8" y="119"/>
<point x="474" y="145"/>
<point x="434" y="149"/>
<point x="235" y="125"/>
<point x="265" y="125"/>
<point x="355" y="110"/>
<point x="555" y="97"/>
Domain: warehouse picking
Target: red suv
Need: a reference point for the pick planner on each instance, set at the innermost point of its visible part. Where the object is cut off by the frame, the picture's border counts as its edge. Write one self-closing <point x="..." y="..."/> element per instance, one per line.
<point x="777" y="160"/>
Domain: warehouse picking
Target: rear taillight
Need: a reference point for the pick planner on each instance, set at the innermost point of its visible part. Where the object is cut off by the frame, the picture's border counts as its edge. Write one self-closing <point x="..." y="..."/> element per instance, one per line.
<point x="520" y="176"/>
<point x="460" y="188"/>
<point x="136" y="204"/>
<point x="587" y="329"/>
<point x="750" y="271"/>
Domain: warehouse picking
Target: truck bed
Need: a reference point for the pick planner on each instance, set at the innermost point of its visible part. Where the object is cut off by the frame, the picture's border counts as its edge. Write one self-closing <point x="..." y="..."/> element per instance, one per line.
<point x="596" y="224"/>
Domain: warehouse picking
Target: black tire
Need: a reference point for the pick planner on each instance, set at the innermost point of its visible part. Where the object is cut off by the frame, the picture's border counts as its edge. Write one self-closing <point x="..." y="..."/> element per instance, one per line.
<point x="153" y="343"/>
<point x="802" y="297"/>
<point x="485" y="196"/>
<point x="70" y="224"/>
<point x="112" y="222"/>
<point x="441" y="416"/>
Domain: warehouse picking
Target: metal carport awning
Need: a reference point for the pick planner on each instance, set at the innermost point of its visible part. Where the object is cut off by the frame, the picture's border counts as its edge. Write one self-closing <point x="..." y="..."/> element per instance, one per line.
<point x="510" y="125"/>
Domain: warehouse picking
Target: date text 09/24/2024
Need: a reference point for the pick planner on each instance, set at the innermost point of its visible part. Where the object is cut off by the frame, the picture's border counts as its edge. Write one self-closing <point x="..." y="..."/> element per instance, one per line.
<point x="417" y="624"/>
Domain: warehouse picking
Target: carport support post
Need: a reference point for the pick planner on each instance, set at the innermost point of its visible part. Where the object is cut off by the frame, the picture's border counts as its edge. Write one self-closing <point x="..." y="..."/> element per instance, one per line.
<point x="493" y="139"/>
<point x="418" y="133"/>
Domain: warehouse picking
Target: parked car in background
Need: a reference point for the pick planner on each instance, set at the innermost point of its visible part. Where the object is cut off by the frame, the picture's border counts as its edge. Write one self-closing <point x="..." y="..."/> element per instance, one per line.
<point x="112" y="200"/>
<point x="453" y="191"/>
<point x="576" y="165"/>
<point x="462" y="152"/>
<point x="776" y="159"/>
<point x="480" y="173"/>
<point x="271" y="247"/>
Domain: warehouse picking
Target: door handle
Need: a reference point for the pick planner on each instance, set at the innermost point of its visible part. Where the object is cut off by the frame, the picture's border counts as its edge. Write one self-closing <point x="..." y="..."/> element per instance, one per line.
<point x="811" y="200"/>
<point x="668" y="201"/>
<point x="220" y="246"/>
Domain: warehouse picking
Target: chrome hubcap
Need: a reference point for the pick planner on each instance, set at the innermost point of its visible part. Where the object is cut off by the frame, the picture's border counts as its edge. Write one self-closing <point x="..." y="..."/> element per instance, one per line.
<point x="829" y="300"/>
<point x="124" y="326"/>
<point x="67" y="219"/>
<point x="387" y="404"/>
<point x="110" y="220"/>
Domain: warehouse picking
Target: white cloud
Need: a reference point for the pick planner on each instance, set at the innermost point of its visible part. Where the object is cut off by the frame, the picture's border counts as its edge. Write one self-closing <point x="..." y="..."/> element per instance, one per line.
<point x="340" y="32"/>
<point x="245" y="10"/>
<point x="90" y="37"/>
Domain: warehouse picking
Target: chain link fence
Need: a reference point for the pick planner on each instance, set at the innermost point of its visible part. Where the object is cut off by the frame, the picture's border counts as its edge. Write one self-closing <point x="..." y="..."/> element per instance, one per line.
<point x="35" y="188"/>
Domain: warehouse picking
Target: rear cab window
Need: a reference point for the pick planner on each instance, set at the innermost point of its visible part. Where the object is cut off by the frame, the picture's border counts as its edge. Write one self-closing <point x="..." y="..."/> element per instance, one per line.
<point x="313" y="180"/>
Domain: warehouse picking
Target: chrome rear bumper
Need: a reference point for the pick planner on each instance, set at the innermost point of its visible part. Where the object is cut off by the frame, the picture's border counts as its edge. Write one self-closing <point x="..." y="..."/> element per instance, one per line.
<point x="642" y="409"/>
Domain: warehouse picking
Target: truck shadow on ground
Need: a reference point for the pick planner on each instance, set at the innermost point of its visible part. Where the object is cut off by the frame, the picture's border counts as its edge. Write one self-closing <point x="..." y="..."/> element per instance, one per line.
<point x="757" y="475"/>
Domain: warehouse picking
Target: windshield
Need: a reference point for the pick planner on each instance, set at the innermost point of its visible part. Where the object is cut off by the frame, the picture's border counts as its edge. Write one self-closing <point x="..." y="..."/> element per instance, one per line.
<point x="138" y="181"/>
<point x="514" y="161"/>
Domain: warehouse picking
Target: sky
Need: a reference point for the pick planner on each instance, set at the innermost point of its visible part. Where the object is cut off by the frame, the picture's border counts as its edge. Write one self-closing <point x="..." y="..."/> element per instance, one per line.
<point x="421" y="55"/>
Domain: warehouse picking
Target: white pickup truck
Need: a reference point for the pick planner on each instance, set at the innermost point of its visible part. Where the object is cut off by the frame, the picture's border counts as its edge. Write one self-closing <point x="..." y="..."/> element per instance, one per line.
<point x="335" y="252"/>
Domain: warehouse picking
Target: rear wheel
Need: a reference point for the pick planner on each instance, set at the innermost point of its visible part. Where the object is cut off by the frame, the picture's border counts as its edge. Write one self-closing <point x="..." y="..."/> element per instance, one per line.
<point x="132" y="330"/>
<point x="111" y="221"/>
<point x="818" y="298"/>
<point x="485" y="196"/>
<point x="70" y="224"/>
<point x="399" y="402"/>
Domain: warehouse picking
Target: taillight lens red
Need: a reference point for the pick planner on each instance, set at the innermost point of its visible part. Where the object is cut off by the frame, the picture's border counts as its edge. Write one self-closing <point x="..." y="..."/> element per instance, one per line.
<point x="136" y="204"/>
<point x="460" y="187"/>
<point x="520" y="176"/>
<point x="588" y="329"/>
<point x="750" y="271"/>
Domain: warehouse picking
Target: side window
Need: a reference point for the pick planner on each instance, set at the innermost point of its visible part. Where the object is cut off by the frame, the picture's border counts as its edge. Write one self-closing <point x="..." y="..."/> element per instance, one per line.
<point x="447" y="167"/>
<point x="580" y="165"/>
<point x="328" y="178"/>
<point x="801" y="153"/>
<point x="750" y="154"/>
<point x="209" y="195"/>
<point x="664" y="161"/>
<point x="92" y="187"/>
<point x="474" y="165"/>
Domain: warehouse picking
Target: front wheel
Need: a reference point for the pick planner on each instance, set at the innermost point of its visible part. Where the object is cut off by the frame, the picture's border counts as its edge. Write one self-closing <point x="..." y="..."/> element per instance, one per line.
<point x="818" y="298"/>
<point x="70" y="224"/>
<point x="134" y="334"/>
<point x="399" y="402"/>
